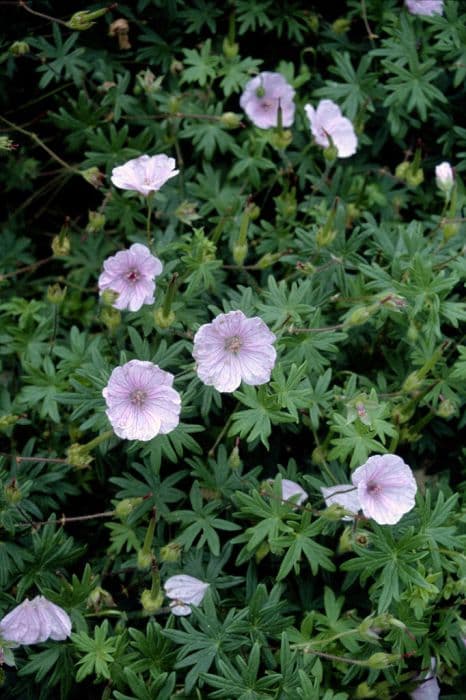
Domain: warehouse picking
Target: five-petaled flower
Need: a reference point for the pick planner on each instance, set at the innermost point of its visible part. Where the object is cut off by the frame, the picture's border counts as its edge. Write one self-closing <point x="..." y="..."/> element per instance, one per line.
<point x="384" y="488"/>
<point x="35" y="621"/>
<point x="141" y="402"/>
<point x="145" y="174"/>
<point x="329" y="126"/>
<point x="131" y="274"/>
<point x="264" y="95"/>
<point x="184" y="591"/>
<point x="428" y="688"/>
<point x="425" y="7"/>
<point x="234" y="348"/>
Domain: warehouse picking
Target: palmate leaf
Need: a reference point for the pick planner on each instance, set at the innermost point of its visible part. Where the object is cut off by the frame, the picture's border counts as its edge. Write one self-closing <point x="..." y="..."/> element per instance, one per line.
<point x="300" y="542"/>
<point x="256" y="421"/>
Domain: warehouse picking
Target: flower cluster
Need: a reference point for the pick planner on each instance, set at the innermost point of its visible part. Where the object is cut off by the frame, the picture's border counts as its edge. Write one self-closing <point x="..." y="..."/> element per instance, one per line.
<point x="35" y="621"/>
<point x="384" y="488"/>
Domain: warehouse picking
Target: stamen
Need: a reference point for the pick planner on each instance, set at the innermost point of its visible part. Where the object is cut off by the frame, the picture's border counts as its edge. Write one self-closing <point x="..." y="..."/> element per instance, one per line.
<point x="138" y="397"/>
<point x="233" y="344"/>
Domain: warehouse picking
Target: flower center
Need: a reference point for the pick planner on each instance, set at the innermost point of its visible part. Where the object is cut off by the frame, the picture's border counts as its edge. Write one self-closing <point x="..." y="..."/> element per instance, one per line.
<point x="138" y="397"/>
<point x="233" y="344"/>
<point x="133" y="275"/>
<point x="266" y="105"/>
<point x="373" y="488"/>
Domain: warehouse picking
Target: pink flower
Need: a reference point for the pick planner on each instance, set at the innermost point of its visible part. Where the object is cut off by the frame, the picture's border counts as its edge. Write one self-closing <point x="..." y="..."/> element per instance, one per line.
<point x="131" y="274"/>
<point x="34" y="621"/>
<point x="262" y="97"/>
<point x="184" y="591"/>
<point x="234" y="348"/>
<point x="429" y="688"/>
<point x="444" y="177"/>
<point x="327" y="121"/>
<point x="425" y="7"/>
<point x="290" y="489"/>
<point x="144" y="174"/>
<point x="141" y="402"/>
<point x="386" y="488"/>
<point x="345" y="495"/>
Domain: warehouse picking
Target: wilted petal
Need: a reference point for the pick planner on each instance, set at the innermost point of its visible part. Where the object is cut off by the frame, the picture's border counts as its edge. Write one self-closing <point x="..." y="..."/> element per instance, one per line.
<point x="35" y="621"/>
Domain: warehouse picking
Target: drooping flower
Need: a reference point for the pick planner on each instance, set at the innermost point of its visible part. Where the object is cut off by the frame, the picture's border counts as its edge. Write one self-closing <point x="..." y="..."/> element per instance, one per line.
<point x="428" y="688"/>
<point x="262" y="97"/>
<point x="141" y="402"/>
<point x="234" y="348"/>
<point x="425" y="7"/>
<point x="184" y="591"/>
<point x="444" y="177"/>
<point x="327" y="121"/>
<point x="34" y="621"/>
<point x="386" y="488"/>
<point x="131" y="273"/>
<point x="345" y="495"/>
<point x="145" y="174"/>
<point x="290" y="489"/>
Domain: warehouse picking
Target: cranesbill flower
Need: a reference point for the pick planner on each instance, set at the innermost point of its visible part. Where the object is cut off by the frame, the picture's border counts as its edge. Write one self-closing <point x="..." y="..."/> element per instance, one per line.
<point x="428" y="689"/>
<point x="141" y="402"/>
<point x="131" y="273"/>
<point x="444" y="177"/>
<point x="344" y="495"/>
<point x="290" y="489"/>
<point x="184" y="591"/>
<point x="34" y="621"/>
<point x="425" y="7"/>
<point x="262" y="97"/>
<point x="144" y="174"/>
<point x="386" y="488"/>
<point x="327" y="122"/>
<point x="234" y="348"/>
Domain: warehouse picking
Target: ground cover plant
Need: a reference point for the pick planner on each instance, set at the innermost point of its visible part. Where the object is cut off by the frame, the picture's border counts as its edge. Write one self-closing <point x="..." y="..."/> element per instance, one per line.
<point x="232" y="350"/>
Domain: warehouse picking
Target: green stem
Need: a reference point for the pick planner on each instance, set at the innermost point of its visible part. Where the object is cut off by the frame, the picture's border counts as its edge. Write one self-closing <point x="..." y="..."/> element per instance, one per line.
<point x="99" y="439"/>
<point x="149" y="216"/>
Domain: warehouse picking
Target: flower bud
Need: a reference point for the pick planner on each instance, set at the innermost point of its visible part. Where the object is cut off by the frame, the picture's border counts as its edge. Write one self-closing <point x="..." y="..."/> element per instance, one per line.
<point x="120" y="29"/>
<point x="360" y="315"/>
<point x="61" y="245"/>
<point x="234" y="460"/>
<point x="240" y="251"/>
<point x="412" y="383"/>
<point x="281" y="139"/>
<point x="230" y="48"/>
<point x="345" y="543"/>
<point x="261" y="552"/>
<point x="334" y="513"/>
<point x="19" y="48"/>
<point x="325" y="236"/>
<point x="151" y="603"/>
<point x="144" y="559"/>
<point x="414" y="178"/>
<point x="108" y="297"/>
<point x="331" y="153"/>
<point x="99" y="598"/>
<point x="230" y="120"/>
<point x="12" y="493"/>
<point x="55" y="294"/>
<point x="412" y="333"/>
<point x="444" y="177"/>
<point x="186" y="212"/>
<point x="319" y="455"/>
<point x="267" y="260"/>
<point x="93" y="176"/>
<point x="341" y="25"/>
<point x="173" y="104"/>
<point x="125" y="507"/>
<point x="83" y="20"/>
<point x="78" y="456"/>
<point x="449" y="229"/>
<point x="162" y="319"/>
<point x="446" y="409"/>
<point x="96" y="222"/>
<point x="8" y="420"/>
<point x="403" y="413"/>
<point x="6" y="144"/>
<point x="171" y="552"/>
<point x="364" y="691"/>
<point x="312" y="21"/>
<point x="381" y="660"/>
<point x="253" y="211"/>
<point x="110" y="317"/>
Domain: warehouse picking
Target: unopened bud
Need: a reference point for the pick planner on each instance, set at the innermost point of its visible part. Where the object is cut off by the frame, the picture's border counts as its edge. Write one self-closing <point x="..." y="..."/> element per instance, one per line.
<point x="99" y="598"/>
<point x="8" y="420"/>
<point x="12" y="493"/>
<point x="445" y="177"/>
<point x="55" y="293"/>
<point x="325" y="236"/>
<point x="230" y="120"/>
<point x="253" y="211"/>
<point x="319" y="455"/>
<point x="187" y="212"/>
<point x="78" y="456"/>
<point x="267" y="260"/>
<point x="240" y="251"/>
<point x="125" y="507"/>
<point x="403" y="413"/>
<point x="162" y="319"/>
<point x="96" y="222"/>
<point x="449" y="229"/>
<point x="345" y="543"/>
<point x="230" y="48"/>
<point x="341" y="25"/>
<point x="446" y="409"/>
<point x="110" y="317"/>
<point x="261" y="552"/>
<point x="312" y="20"/>
<point x="61" y="245"/>
<point x="171" y="552"/>
<point x="120" y="29"/>
<point x="330" y="153"/>
<point x="414" y="178"/>
<point x="144" y="559"/>
<point x="381" y="660"/>
<point x="281" y="139"/>
<point x="83" y="20"/>
<point x="413" y="382"/>
<point x="108" y="297"/>
<point x="234" y="460"/>
<point x="93" y="176"/>
<point x="19" y="48"/>
<point x="173" y="104"/>
<point x="6" y="144"/>
<point x="364" y="691"/>
<point x="359" y="316"/>
<point x="151" y="603"/>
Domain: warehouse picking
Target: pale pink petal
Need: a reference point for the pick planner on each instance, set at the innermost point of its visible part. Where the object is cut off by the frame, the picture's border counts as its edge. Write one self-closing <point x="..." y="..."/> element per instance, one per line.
<point x="425" y="7"/>
<point x="328" y="124"/>
<point x="145" y="174"/>
<point x="262" y="97"/>
<point x="35" y="621"/>
<point x="184" y="591"/>
<point x="345" y="495"/>
<point x="290" y="489"/>
<point x="131" y="274"/>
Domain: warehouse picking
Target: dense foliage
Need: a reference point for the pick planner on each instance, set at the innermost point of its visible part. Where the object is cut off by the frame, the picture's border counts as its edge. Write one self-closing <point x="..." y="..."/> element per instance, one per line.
<point x="355" y="264"/>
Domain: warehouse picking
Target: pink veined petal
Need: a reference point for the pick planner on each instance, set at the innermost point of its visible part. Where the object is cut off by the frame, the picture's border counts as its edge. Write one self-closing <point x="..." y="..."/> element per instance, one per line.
<point x="345" y="495"/>
<point x="344" y="137"/>
<point x="328" y="111"/>
<point x="290" y="489"/>
<point x="180" y="610"/>
<point x="59" y="620"/>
